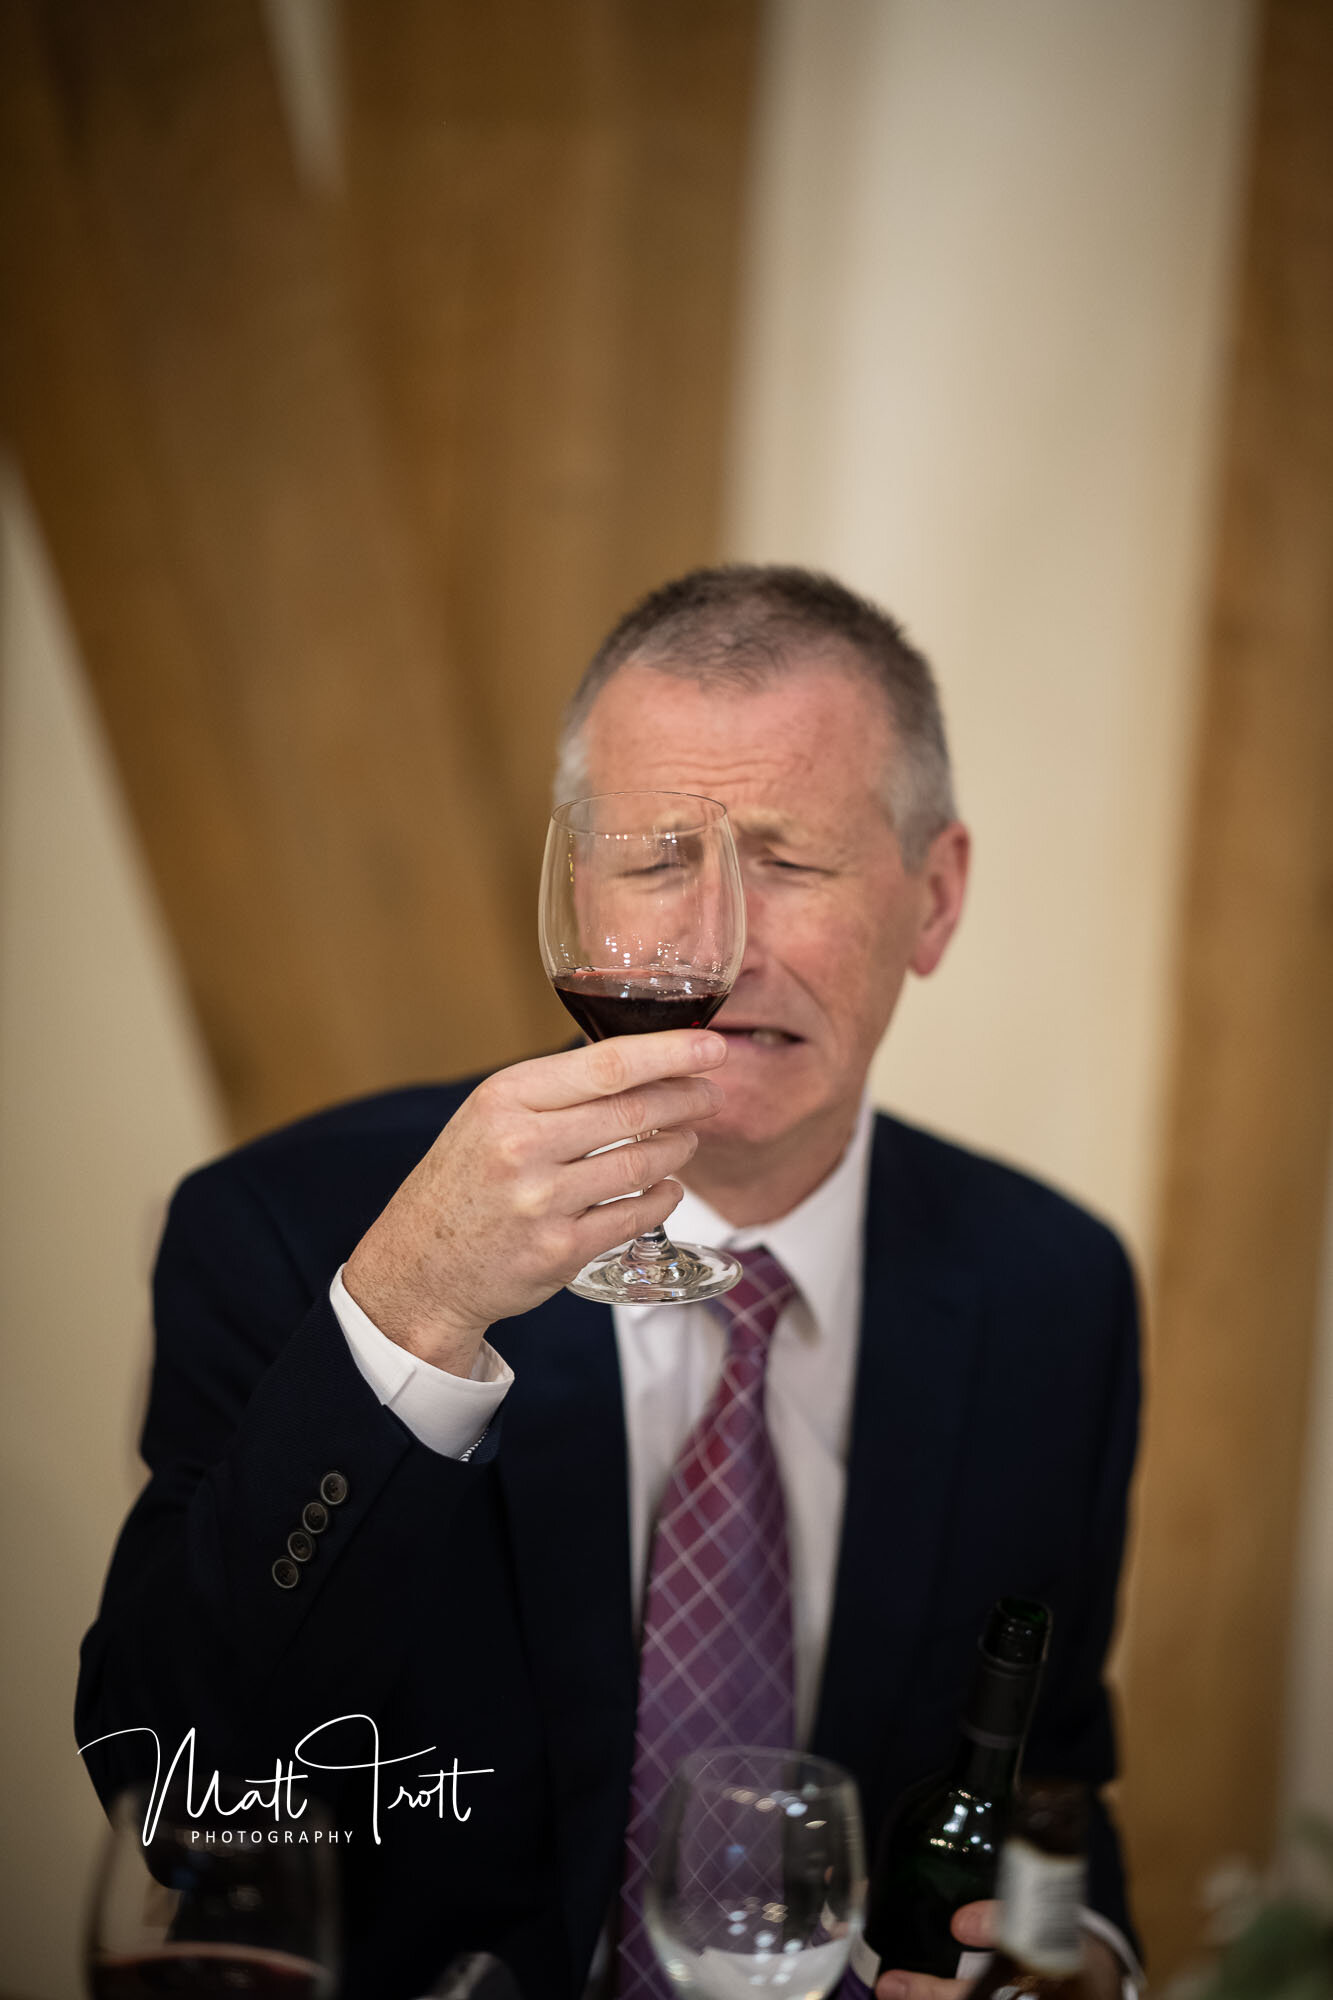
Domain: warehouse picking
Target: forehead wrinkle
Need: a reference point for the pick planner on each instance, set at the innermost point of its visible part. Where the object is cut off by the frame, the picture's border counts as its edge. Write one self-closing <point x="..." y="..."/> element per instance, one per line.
<point x="752" y="765"/>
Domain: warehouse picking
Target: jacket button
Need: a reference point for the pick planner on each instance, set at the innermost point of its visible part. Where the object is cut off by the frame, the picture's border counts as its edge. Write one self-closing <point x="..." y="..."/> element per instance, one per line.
<point x="315" y="1516"/>
<point x="300" y="1545"/>
<point x="333" y="1489"/>
<point x="286" y="1573"/>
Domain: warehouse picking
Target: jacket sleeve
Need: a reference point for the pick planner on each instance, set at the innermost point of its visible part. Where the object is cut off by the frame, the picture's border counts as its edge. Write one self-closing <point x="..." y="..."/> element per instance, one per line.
<point x="211" y="1618"/>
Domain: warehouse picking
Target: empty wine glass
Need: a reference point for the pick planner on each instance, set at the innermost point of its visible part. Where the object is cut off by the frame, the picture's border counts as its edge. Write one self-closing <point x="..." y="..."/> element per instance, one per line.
<point x="642" y="925"/>
<point x="758" y="1881"/>
<point x="222" y="1900"/>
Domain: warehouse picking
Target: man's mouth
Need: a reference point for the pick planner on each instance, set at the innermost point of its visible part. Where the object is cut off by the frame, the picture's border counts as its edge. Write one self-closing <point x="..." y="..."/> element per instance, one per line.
<point x="762" y="1038"/>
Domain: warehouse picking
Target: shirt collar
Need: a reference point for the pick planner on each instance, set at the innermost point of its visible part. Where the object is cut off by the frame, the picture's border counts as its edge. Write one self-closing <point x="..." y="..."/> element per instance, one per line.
<point x="818" y="1243"/>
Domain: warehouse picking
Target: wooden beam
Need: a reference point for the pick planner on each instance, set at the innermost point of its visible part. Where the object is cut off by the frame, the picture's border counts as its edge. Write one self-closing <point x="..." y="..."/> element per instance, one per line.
<point x="1247" y="1153"/>
<point x="180" y="376"/>
<point x="545" y="199"/>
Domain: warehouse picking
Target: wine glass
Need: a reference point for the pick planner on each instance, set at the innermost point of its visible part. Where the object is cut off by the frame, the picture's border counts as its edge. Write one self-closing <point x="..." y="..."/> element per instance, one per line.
<point x="222" y="1899"/>
<point x="643" y="927"/>
<point x="758" y="1879"/>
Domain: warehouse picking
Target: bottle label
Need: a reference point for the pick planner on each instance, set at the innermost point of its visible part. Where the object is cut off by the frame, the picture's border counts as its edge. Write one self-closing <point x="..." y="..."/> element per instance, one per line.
<point x="971" y="1964"/>
<point x="1040" y="1895"/>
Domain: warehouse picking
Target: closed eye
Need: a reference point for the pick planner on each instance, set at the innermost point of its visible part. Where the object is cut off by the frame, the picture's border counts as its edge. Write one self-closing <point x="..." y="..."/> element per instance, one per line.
<point x="652" y="870"/>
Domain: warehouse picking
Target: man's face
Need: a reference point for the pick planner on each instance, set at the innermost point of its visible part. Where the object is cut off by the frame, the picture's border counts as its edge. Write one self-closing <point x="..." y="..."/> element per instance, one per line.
<point x="834" y="918"/>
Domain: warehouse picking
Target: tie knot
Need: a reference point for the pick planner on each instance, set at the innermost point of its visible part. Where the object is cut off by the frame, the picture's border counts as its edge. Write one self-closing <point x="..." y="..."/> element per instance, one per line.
<point x="750" y="1310"/>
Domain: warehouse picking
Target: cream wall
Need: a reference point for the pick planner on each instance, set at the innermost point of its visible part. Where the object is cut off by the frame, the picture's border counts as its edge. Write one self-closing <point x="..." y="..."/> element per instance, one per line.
<point x="979" y="380"/>
<point x="104" y="1103"/>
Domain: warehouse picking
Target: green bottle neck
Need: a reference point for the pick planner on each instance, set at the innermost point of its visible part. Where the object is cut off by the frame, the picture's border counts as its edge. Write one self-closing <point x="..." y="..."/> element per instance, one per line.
<point x="995" y="1722"/>
<point x="986" y="1770"/>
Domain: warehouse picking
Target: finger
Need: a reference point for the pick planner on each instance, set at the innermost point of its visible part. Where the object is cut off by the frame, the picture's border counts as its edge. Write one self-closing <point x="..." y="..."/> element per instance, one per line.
<point x="623" y="1171"/>
<point x="974" y="1924"/>
<point x="602" y="1228"/>
<point x="553" y="1083"/>
<point x="655" y="1107"/>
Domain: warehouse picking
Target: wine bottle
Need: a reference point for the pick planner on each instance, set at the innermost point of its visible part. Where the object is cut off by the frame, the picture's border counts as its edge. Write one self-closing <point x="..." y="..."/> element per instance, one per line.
<point x="940" y="1844"/>
<point x="1042" y="1879"/>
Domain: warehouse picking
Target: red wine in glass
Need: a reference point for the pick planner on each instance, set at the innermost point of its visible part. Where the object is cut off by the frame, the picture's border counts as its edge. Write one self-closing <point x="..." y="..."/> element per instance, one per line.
<point x="209" y="1899"/>
<point x="627" y="1003"/>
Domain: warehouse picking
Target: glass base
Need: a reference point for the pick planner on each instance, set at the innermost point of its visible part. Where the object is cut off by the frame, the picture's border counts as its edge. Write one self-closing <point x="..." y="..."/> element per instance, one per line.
<point x="679" y="1274"/>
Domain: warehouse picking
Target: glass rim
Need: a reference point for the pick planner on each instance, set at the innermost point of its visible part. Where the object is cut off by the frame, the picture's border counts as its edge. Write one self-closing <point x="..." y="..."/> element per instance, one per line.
<point x="561" y="816"/>
<point x="824" y="1773"/>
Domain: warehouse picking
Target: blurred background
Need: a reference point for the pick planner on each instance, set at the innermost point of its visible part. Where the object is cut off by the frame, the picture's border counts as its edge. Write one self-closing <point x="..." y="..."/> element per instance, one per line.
<point x="360" y="360"/>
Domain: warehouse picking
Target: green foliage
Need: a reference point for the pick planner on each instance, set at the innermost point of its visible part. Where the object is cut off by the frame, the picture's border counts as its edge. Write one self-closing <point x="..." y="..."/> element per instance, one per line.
<point x="1284" y="1949"/>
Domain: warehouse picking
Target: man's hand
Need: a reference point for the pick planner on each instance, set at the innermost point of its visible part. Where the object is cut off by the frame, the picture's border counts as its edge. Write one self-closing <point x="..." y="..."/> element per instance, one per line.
<point x="503" y="1210"/>
<point x="974" y="1928"/>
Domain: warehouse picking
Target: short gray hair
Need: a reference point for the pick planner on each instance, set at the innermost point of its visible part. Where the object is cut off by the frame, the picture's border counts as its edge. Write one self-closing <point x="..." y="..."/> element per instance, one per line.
<point x="740" y="625"/>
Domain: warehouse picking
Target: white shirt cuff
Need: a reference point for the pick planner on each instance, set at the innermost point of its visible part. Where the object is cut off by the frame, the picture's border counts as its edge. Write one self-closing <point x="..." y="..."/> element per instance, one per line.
<point x="448" y="1413"/>
<point x="1133" y="1978"/>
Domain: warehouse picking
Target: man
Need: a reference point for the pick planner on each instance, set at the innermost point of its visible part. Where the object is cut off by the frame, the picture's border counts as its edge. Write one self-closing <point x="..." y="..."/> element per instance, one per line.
<point x="363" y="1316"/>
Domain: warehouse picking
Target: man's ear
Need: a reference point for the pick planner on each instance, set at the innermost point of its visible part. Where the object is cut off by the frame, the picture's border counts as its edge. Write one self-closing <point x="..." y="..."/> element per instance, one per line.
<point x="943" y="878"/>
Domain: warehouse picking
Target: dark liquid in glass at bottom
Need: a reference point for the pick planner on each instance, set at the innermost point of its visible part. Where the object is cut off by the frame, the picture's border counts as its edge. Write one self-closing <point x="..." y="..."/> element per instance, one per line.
<point x="626" y="1003"/>
<point x="186" y="1968"/>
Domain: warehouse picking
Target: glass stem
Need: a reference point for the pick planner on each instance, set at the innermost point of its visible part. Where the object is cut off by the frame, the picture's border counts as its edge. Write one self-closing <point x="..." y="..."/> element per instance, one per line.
<point x="652" y="1248"/>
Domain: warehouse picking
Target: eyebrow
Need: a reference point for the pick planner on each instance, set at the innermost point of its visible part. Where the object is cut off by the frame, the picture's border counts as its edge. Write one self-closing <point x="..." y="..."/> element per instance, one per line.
<point x="764" y="824"/>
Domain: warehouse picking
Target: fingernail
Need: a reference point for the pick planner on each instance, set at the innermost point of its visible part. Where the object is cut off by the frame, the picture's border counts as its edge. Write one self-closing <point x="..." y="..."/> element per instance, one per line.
<point x="971" y="1925"/>
<point x="892" y="1986"/>
<point x="711" y="1046"/>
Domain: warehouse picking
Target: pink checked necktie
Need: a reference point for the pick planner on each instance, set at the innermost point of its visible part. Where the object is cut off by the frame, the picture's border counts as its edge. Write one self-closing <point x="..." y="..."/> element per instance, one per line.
<point x="716" y="1661"/>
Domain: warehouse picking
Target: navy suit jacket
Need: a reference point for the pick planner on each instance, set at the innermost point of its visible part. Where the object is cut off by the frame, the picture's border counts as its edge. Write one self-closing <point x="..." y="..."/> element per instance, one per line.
<point x="481" y="1609"/>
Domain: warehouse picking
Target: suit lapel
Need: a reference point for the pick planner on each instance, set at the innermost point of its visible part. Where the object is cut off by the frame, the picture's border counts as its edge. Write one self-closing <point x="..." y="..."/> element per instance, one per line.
<point x="562" y="1471"/>
<point x="919" y="1328"/>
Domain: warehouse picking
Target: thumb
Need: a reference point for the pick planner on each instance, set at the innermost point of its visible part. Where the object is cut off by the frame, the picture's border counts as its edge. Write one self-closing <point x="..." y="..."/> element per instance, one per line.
<point x="974" y="1924"/>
